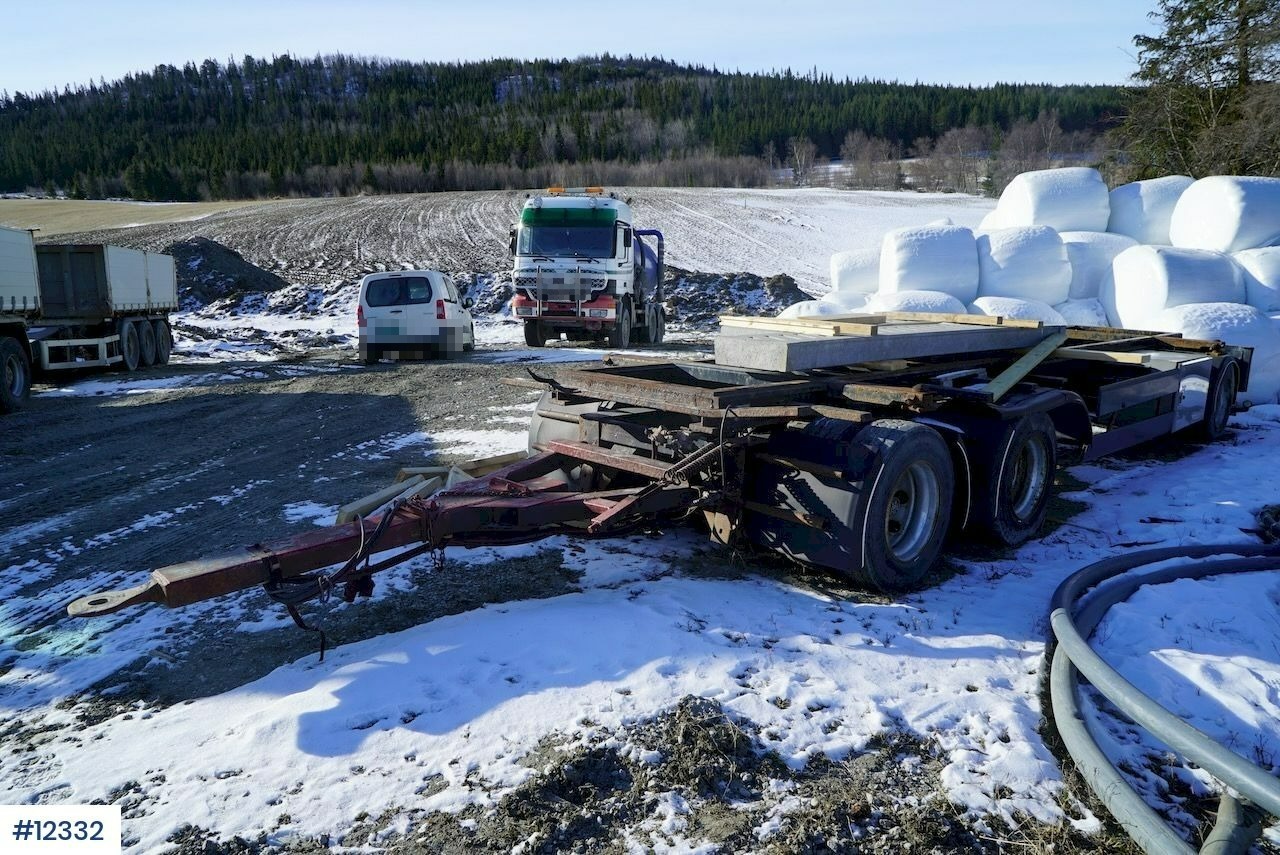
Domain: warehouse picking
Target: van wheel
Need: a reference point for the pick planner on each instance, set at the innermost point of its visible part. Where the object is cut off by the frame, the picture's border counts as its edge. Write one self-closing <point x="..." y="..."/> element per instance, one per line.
<point x="129" y="347"/>
<point x="15" y="375"/>
<point x="1013" y="478"/>
<point x="164" y="341"/>
<point x="471" y="345"/>
<point x="369" y="354"/>
<point x="620" y="335"/>
<point x="146" y="343"/>
<point x="908" y="511"/>
<point x="533" y="334"/>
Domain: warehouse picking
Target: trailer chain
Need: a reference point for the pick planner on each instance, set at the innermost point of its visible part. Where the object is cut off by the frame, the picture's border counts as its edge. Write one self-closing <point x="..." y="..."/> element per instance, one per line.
<point x="292" y="592"/>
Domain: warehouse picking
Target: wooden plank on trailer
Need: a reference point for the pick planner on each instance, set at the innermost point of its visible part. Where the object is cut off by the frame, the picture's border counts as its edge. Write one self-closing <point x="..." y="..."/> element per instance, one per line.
<point x="1023" y="365"/>
<point x="1137" y="357"/>
<point x="823" y="326"/>
<point x="957" y="318"/>
<point x="365" y="504"/>
<point x="791" y="353"/>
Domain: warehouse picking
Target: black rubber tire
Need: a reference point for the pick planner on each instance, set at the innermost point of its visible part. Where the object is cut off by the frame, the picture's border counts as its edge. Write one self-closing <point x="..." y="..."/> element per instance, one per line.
<point x="1224" y="385"/>
<point x="164" y="341"/>
<point x="908" y="511"/>
<point x="620" y="335"/>
<point x="659" y="331"/>
<point x="146" y="343"/>
<point x="470" y="345"/>
<point x="534" y="336"/>
<point x="1014" y="464"/>
<point x="130" y="349"/>
<point x="15" y="375"/>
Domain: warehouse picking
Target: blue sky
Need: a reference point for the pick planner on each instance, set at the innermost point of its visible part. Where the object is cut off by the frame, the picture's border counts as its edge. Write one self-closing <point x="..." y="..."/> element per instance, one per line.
<point x="939" y="41"/>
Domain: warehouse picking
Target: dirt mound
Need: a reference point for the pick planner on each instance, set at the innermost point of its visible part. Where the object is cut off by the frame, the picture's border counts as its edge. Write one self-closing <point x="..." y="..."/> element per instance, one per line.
<point x="208" y="271"/>
<point x="696" y="299"/>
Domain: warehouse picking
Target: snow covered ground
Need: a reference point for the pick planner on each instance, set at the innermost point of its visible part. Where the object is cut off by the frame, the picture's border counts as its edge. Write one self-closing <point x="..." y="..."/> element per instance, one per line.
<point x="444" y="715"/>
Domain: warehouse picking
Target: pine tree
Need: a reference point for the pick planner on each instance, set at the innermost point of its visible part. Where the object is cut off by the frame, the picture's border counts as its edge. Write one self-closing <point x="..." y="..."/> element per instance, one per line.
<point x="1209" y="100"/>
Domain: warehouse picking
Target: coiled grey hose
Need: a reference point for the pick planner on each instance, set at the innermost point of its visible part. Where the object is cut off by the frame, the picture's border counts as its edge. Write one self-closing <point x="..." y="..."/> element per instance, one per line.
<point x="1073" y="653"/>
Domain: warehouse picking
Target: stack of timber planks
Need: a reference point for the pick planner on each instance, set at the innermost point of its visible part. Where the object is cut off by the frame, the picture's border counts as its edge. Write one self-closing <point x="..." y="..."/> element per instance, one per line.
<point x="829" y="341"/>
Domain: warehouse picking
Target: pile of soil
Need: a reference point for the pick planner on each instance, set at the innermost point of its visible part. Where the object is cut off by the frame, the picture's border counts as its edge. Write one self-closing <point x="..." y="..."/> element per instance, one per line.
<point x="208" y="271"/>
<point x="697" y="299"/>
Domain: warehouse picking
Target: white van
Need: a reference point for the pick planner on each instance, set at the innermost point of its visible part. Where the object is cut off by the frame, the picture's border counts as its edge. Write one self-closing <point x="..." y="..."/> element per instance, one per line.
<point x="411" y="312"/>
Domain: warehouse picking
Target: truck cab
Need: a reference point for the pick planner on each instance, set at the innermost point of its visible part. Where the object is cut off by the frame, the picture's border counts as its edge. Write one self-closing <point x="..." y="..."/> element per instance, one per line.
<point x="582" y="267"/>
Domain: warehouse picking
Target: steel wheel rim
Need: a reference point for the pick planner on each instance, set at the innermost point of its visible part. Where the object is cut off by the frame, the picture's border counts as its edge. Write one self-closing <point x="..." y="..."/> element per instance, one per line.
<point x="13" y="375"/>
<point x="914" y="502"/>
<point x="1029" y="478"/>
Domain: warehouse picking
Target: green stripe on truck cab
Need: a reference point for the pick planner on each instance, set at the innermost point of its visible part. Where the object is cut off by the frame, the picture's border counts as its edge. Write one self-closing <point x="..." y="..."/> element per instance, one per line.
<point x="568" y="216"/>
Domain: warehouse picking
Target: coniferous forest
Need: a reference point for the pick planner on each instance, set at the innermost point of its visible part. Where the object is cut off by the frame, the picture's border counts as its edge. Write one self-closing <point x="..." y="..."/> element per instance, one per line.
<point x="343" y="125"/>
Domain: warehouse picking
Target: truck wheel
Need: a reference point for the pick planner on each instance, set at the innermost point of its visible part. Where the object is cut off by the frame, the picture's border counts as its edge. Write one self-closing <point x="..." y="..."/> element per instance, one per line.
<point x="15" y="375"/>
<point x="146" y="343"/>
<point x="659" y="331"/>
<point x="533" y="334"/>
<point x="164" y="341"/>
<point x="1013" y="478"/>
<point x="129" y="347"/>
<point x="620" y="335"/>
<point x="1222" y="397"/>
<point x="908" y="511"/>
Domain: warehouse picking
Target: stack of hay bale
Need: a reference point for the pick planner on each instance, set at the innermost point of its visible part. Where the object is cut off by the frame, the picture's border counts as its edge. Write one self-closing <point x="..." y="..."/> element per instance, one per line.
<point x="1201" y="258"/>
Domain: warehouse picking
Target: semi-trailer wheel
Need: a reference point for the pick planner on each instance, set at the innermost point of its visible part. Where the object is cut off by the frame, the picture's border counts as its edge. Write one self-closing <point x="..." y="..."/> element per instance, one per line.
<point x="1014" y="466"/>
<point x="129" y="346"/>
<point x="620" y="335"/>
<point x="15" y="375"/>
<point x="164" y="341"/>
<point x="908" y="509"/>
<point x="534" y="335"/>
<point x="146" y="343"/>
<point x="1223" y="387"/>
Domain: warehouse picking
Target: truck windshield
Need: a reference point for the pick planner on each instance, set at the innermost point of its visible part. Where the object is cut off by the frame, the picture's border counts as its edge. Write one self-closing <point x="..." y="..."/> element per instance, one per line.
<point x="561" y="242"/>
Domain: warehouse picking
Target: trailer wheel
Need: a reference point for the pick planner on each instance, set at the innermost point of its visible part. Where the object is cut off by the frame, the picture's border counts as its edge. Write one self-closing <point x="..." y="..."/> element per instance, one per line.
<point x="908" y="510"/>
<point x="129" y="347"/>
<point x="15" y="375"/>
<point x="1013" y="481"/>
<point x="164" y="341"/>
<point x="533" y="334"/>
<point x="620" y="335"/>
<point x="146" y="343"/>
<point x="1222" y="396"/>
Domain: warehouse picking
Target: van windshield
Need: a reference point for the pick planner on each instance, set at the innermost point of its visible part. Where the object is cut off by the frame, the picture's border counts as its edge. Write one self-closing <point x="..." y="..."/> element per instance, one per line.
<point x="566" y="242"/>
<point x="401" y="291"/>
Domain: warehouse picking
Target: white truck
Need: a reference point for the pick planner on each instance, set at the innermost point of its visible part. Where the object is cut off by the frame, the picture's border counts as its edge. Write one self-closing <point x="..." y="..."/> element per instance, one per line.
<point x="582" y="268"/>
<point x="68" y="306"/>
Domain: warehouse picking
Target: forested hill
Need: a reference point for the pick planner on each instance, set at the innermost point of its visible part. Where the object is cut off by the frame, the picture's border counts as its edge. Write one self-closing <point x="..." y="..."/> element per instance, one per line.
<point x="341" y="124"/>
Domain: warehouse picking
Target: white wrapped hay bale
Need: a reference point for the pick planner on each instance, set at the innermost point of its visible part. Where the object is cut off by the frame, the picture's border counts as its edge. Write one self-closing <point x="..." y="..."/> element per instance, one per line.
<point x="857" y="271"/>
<point x="930" y="258"/>
<point x="1027" y="263"/>
<point x="916" y="301"/>
<point x="1227" y="213"/>
<point x="846" y="301"/>
<point x="990" y="222"/>
<point x="1142" y="209"/>
<point x="1091" y="254"/>
<point x="1022" y="310"/>
<point x="1261" y="269"/>
<point x="1072" y="199"/>
<point x="1239" y="325"/>
<point x="1146" y="280"/>
<point x="1083" y="313"/>
<point x="809" y="309"/>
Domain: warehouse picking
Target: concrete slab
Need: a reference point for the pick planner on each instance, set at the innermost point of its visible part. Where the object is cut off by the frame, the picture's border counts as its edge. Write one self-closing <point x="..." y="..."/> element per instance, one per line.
<point x="788" y="352"/>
